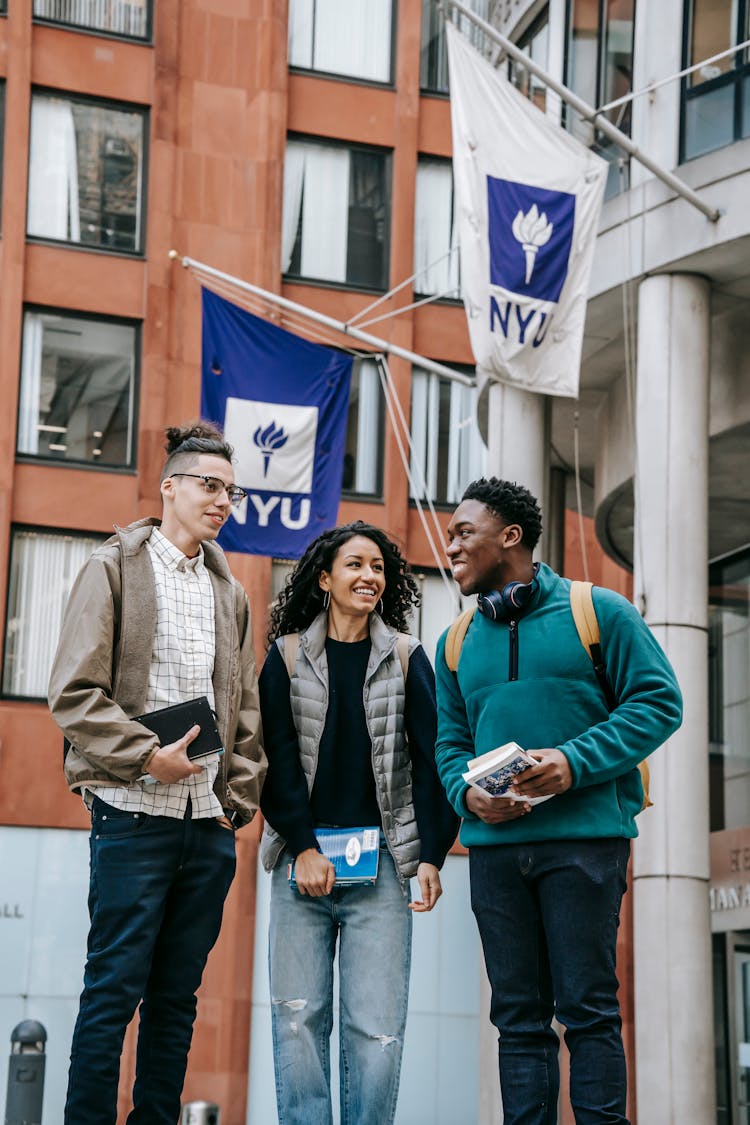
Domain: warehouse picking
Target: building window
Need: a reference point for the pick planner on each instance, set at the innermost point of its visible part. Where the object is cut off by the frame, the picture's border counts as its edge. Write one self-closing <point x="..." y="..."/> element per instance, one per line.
<point x="433" y="69"/>
<point x="535" y="42"/>
<point x="729" y="691"/>
<point x="86" y="173"/>
<point x="127" y="18"/>
<point x="599" y="68"/>
<point x="336" y="213"/>
<point x="77" y="395"/>
<point x="43" y="566"/>
<point x="363" y="456"/>
<point x="715" y="98"/>
<point x="435" y="244"/>
<point x="448" y="451"/>
<point x="2" y="133"/>
<point x="349" y="37"/>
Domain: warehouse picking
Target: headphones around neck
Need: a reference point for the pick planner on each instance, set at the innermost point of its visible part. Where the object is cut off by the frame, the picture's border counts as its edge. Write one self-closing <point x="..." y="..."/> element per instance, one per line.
<point x="512" y="600"/>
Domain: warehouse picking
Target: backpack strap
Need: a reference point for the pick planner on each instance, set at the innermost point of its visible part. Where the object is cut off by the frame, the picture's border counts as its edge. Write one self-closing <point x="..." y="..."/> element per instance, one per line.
<point x="291" y="648"/>
<point x="455" y="638"/>
<point x="402" y="651"/>
<point x="587" y="626"/>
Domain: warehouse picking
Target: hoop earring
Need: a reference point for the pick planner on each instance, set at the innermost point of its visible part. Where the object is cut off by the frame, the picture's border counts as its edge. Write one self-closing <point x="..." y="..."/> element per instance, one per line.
<point x="380" y="607"/>
<point x="326" y="600"/>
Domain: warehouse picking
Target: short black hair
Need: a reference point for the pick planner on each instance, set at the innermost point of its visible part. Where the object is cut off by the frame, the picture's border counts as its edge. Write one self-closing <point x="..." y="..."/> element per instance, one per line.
<point x="186" y="443"/>
<point x="301" y="600"/>
<point x="512" y="503"/>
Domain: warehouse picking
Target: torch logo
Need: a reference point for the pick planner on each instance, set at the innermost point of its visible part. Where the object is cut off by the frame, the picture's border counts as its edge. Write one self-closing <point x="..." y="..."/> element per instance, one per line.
<point x="532" y="230"/>
<point x="268" y="440"/>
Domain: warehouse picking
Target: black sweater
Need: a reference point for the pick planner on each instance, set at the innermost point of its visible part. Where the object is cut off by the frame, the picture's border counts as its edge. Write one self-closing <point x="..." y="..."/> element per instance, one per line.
<point x="344" y="791"/>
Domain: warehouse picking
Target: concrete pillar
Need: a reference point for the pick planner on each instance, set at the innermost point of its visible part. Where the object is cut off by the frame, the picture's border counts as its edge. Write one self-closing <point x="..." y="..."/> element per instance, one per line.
<point x="517" y="450"/>
<point x="672" y="931"/>
<point x="517" y="433"/>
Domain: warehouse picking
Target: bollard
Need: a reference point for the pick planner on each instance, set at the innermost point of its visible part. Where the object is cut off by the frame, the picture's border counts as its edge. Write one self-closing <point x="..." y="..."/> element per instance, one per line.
<point x="23" y="1104"/>
<point x="201" y="1113"/>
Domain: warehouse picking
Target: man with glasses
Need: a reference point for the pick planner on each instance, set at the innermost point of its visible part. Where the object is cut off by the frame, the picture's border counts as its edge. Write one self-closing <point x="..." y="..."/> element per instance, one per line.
<point x="154" y="619"/>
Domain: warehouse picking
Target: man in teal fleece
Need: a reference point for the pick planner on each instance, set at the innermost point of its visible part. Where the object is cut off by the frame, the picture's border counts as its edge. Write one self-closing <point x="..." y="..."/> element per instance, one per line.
<point x="547" y="878"/>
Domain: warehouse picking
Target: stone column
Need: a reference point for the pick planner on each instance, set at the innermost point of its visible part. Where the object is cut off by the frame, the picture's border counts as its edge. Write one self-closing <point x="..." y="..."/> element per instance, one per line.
<point x="517" y="445"/>
<point x="672" y="931"/>
<point x="517" y="449"/>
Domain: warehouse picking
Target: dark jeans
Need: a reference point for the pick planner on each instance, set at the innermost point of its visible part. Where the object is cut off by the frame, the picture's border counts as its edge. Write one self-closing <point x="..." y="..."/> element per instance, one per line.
<point x="548" y="915"/>
<point x="156" y="898"/>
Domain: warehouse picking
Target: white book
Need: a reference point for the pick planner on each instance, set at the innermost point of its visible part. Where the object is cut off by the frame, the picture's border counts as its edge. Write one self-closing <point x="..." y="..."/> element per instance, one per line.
<point x="494" y="772"/>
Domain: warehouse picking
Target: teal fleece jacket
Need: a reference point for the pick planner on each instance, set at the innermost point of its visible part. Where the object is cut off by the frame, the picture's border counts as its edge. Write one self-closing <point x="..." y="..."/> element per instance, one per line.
<point x="554" y="700"/>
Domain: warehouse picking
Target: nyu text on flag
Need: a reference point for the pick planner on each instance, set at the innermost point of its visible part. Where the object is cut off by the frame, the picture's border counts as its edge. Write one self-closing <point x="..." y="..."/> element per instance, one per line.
<point x="528" y="197"/>
<point x="283" y="405"/>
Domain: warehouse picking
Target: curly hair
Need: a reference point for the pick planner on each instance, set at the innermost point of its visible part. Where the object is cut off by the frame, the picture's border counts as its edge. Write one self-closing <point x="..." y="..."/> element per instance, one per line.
<point x="512" y="503"/>
<point x="301" y="600"/>
<point x="186" y="443"/>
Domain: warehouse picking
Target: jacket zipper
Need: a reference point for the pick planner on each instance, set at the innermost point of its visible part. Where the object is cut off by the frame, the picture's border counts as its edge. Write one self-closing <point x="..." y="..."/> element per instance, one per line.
<point x="513" y="651"/>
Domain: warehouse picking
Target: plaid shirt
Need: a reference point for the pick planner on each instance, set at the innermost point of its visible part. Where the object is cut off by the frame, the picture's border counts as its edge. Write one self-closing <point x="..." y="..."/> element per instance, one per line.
<point x="182" y="664"/>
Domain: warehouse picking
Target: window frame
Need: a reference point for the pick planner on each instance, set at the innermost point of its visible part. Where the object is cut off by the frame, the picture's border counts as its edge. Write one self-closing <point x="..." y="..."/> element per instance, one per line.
<point x="348" y="286"/>
<point x="15" y="528"/>
<point x="598" y="139"/>
<point x="446" y="505"/>
<point x="139" y="253"/>
<point x="336" y="76"/>
<point x="375" y="497"/>
<point x="129" y="469"/>
<point x="735" y="77"/>
<point x="424" y="158"/>
<point x="85" y="29"/>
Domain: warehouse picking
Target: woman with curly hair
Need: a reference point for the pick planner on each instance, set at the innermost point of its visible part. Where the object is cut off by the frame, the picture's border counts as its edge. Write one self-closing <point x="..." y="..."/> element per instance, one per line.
<point x="350" y="739"/>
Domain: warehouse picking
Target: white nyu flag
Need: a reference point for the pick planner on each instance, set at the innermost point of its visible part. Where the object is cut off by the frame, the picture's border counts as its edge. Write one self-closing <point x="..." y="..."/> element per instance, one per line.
<point x="528" y="198"/>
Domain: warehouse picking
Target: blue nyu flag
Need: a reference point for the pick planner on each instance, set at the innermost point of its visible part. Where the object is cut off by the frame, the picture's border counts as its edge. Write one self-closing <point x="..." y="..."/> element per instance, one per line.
<point x="282" y="403"/>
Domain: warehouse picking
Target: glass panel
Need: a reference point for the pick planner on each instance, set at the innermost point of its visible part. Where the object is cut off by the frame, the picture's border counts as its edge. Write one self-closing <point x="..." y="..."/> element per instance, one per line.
<point x="2" y="133"/>
<point x="536" y="45"/>
<point x="713" y="29"/>
<point x="448" y="449"/>
<point x="709" y="121"/>
<point x="729" y="692"/>
<point x="351" y="37"/>
<point x="43" y="566"/>
<point x="583" y="61"/>
<point x="118" y="17"/>
<point x="77" y="389"/>
<point x="617" y="62"/>
<point x="335" y="214"/>
<point x="433" y="70"/>
<point x="435" y="254"/>
<point x="746" y="107"/>
<point x="85" y="173"/>
<point x="720" y="1014"/>
<point x="364" y="431"/>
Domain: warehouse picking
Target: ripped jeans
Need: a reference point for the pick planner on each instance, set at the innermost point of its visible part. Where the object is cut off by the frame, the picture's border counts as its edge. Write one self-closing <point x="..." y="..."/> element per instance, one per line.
<point x="373" y="928"/>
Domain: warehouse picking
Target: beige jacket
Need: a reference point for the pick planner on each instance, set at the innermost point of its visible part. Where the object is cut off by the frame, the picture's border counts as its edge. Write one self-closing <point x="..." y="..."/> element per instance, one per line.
<point x="100" y="672"/>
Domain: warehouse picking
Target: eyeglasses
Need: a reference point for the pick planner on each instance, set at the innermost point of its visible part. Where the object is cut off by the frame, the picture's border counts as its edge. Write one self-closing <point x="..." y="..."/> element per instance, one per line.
<point x="214" y="486"/>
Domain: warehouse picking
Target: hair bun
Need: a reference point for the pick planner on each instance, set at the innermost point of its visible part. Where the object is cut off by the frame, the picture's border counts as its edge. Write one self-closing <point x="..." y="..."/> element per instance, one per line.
<point x="176" y="435"/>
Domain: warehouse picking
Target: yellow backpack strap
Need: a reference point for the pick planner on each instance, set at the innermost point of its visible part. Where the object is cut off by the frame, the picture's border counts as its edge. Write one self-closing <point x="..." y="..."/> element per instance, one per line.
<point x="584" y="615"/>
<point x="291" y="648"/>
<point x="587" y="625"/>
<point x="455" y="638"/>
<point x="402" y="651"/>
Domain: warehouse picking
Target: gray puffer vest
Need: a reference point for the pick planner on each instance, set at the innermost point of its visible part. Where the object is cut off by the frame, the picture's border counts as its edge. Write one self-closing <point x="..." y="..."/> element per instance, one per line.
<point x="384" y="693"/>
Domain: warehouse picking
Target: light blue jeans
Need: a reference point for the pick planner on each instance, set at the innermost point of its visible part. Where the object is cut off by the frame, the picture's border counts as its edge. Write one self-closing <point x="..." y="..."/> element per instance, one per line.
<point x="373" y="927"/>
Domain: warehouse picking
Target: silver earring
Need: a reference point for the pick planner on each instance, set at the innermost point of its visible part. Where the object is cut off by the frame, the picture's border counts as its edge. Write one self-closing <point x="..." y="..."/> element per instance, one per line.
<point x="326" y="600"/>
<point x="380" y="607"/>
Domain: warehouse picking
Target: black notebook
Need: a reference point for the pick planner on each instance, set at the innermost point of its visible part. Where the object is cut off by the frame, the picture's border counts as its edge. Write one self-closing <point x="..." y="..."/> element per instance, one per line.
<point x="170" y="724"/>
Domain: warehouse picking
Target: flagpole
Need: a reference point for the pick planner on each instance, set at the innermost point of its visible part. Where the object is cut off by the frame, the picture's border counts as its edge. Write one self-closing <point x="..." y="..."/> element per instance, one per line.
<point x="587" y="112"/>
<point x="321" y="318"/>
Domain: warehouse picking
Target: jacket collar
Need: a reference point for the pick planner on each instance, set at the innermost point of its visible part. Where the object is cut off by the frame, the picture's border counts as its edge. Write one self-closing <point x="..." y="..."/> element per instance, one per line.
<point x="382" y="637"/>
<point x="133" y="538"/>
